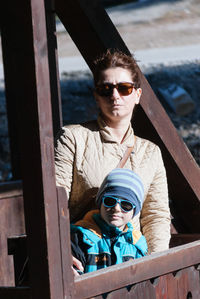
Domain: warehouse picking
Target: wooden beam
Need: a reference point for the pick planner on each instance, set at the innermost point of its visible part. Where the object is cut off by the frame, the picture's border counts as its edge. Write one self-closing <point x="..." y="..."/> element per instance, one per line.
<point x="64" y="227"/>
<point x="93" y="32"/>
<point x="15" y="293"/>
<point x="27" y="66"/>
<point x="180" y="239"/>
<point x="131" y="272"/>
<point x="10" y="189"/>
<point x="89" y="27"/>
<point x="53" y="67"/>
<point x="12" y="55"/>
<point x="11" y="70"/>
<point x="183" y="173"/>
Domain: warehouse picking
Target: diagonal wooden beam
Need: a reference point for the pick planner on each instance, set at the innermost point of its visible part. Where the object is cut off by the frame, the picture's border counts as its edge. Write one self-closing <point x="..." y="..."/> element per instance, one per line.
<point x="89" y="27"/>
<point x="93" y="32"/>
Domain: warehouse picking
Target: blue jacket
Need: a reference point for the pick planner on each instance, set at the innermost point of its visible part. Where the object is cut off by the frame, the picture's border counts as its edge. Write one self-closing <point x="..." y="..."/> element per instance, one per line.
<point x="98" y="245"/>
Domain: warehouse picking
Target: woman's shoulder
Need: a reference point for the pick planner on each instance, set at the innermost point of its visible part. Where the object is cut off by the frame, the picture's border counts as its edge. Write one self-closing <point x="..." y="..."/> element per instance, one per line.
<point x="86" y="126"/>
<point x="77" y="131"/>
<point x="145" y="144"/>
<point x="147" y="152"/>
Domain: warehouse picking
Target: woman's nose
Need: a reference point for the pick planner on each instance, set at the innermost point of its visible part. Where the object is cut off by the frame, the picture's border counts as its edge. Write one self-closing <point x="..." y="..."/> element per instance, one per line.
<point x="115" y="94"/>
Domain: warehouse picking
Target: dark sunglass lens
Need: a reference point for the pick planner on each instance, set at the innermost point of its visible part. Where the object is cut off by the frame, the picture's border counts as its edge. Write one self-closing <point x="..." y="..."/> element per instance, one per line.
<point x="126" y="205"/>
<point x="109" y="201"/>
<point x="104" y="90"/>
<point x="125" y="88"/>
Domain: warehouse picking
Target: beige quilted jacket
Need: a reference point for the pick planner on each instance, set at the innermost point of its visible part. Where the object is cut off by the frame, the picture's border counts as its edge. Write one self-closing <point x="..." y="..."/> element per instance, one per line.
<point x="86" y="153"/>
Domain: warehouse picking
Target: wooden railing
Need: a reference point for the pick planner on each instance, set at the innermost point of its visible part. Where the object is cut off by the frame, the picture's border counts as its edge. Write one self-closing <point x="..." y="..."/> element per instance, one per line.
<point x="170" y="274"/>
<point x="30" y="97"/>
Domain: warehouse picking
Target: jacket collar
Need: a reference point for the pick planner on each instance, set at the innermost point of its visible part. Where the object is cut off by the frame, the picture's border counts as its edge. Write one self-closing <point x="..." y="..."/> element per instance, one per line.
<point x="93" y="221"/>
<point x="110" y="230"/>
<point x="107" y="136"/>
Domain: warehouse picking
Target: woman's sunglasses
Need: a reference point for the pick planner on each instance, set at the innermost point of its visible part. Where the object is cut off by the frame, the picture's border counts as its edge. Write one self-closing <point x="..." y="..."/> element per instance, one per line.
<point x="106" y="89"/>
<point x="110" y="202"/>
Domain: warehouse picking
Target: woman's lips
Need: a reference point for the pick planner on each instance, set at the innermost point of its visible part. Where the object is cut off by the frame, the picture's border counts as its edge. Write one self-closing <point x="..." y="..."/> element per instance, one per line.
<point x="116" y="106"/>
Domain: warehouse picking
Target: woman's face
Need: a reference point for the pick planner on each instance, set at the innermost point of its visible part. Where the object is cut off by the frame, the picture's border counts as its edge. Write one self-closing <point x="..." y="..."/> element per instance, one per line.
<point x="116" y="106"/>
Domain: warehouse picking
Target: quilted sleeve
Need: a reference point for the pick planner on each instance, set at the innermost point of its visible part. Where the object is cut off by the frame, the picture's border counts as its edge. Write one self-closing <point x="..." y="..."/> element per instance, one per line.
<point x="64" y="159"/>
<point x="155" y="215"/>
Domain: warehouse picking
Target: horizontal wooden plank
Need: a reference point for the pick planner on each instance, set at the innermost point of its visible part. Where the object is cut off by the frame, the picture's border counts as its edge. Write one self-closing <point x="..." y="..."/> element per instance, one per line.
<point x="131" y="272"/>
<point x="15" y="293"/>
<point x="180" y="285"/>
<point x="10" y="189"/>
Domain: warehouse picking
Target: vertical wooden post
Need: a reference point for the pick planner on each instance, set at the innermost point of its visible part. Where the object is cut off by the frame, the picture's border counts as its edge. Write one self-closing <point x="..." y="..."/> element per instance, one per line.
<point x="53" y="66"/>
<point x="10" y="46"/>
<point x="64" y="225"/>
<point x="9" y="52"/>
<point x="25" y="48"/>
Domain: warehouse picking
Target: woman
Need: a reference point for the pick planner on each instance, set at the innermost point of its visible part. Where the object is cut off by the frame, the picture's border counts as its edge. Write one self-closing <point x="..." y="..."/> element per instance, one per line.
<point x="86" y="153"/>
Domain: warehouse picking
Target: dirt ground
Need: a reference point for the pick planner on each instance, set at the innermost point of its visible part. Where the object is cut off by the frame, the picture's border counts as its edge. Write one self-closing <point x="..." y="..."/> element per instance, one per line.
<point x="149" y="24"/>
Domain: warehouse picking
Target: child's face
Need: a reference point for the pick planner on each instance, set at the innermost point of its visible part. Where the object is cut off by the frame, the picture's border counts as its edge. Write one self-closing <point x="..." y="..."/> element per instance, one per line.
<point x="115" y="216"/>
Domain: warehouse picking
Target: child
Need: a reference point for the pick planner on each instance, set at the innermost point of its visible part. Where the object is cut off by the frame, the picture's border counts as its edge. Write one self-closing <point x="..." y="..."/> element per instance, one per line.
<point x="105" y="237"/>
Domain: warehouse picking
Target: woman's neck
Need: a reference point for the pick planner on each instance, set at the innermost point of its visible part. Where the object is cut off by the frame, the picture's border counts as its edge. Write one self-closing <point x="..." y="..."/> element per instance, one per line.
<point x="118" y="128"/>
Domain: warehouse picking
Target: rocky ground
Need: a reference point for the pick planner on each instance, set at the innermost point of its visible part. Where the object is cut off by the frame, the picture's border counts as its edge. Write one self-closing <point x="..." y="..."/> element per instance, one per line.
<point x="150" y="24"/>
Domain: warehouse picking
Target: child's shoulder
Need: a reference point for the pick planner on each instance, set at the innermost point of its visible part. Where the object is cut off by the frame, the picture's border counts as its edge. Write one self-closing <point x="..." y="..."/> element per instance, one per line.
<point x="136" y="235"/>
<point x="140" y="242"/>
<point x="87" y="226"/>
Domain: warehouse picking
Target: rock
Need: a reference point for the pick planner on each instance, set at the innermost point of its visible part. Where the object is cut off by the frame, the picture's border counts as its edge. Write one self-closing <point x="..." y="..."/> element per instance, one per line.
<point x="177" y="98"/>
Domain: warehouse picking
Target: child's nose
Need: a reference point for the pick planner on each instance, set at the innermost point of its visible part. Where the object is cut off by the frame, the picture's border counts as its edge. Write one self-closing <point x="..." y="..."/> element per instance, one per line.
<point x="117" y="207"/>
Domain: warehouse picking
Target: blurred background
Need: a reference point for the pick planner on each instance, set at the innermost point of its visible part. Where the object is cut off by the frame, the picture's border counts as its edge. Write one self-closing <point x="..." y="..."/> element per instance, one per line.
<point x="163" y="36"/>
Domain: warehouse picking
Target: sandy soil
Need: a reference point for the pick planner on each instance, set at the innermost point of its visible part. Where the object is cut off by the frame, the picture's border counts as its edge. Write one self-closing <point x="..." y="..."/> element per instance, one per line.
<point x="149" y="24"/>
<point x="146" y="25"/>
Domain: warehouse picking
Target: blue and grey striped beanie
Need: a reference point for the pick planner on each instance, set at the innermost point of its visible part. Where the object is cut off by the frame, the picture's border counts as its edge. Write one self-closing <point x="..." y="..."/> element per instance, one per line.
<point x="123" y="183"/>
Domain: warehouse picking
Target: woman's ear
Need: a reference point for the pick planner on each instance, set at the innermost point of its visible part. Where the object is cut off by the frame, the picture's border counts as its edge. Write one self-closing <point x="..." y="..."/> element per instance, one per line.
<point x="138" y="95"/>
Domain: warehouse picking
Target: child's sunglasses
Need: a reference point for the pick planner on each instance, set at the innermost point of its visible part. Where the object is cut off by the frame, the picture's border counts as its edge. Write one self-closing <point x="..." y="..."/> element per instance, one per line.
<point x="110" y="202"/>
<point x="106" y="89"/>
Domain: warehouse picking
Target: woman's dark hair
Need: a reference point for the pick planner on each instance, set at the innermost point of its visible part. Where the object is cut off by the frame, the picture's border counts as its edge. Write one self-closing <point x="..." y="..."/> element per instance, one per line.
<point x="116" y="59"/>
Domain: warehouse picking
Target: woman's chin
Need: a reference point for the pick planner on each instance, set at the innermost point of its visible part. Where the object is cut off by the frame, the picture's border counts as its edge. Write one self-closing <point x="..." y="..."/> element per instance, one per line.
<point x="117" y="113"/>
